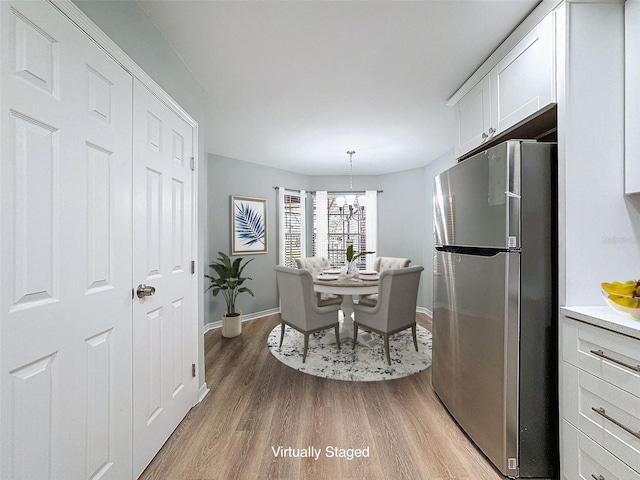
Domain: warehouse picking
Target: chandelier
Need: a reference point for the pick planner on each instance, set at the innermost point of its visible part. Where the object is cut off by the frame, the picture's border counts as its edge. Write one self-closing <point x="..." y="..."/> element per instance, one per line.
<point x="350" y="205"/>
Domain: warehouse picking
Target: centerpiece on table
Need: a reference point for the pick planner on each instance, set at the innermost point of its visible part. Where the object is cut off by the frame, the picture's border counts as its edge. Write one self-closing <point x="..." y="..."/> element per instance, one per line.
<point x="352" y="267"/>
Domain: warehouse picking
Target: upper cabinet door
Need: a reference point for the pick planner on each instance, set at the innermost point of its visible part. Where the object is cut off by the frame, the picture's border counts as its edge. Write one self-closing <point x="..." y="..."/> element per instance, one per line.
<point x="524" y="80"/>
<point x="632" y="97"/>
<point x="473" y="117"/>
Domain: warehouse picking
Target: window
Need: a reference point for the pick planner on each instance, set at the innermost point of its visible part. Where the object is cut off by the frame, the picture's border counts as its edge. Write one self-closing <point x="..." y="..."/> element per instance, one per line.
<point x="291" y="231"/>
<point x="334" y="229"/>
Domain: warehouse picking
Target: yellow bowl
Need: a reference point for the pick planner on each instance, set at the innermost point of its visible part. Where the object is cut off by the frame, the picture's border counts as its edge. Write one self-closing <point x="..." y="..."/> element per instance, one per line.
<point x="620" y="304"/>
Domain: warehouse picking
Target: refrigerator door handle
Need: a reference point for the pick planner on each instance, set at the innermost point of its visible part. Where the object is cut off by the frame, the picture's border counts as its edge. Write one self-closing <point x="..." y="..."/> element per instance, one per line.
<point x="512" y="195"/>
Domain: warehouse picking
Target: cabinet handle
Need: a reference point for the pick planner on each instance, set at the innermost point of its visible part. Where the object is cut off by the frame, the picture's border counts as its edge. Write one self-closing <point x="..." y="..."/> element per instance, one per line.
<point x="601" y="411"/>
<point x="599" y="477"/>
<point x="492" y="131"/>
<point x="600" y="353"/>
<point x="484" y="136"/>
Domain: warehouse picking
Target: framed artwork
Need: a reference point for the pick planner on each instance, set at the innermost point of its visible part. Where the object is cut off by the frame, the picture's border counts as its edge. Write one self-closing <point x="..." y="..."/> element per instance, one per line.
<point x="248" y="225"/>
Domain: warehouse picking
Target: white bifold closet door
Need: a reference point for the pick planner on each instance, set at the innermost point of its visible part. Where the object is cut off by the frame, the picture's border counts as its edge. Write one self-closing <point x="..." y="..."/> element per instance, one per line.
<point x="164" y="387"/>
<point x="65" y="243"/>
<point x="97" y="195"/>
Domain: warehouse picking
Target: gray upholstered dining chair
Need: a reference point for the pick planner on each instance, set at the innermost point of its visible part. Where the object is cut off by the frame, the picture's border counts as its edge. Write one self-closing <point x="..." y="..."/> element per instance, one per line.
<point x="299" y="308"/>
<point x="395" y="309"/>
<point x="318" y="265"/>
<point x="381" y="264"/>
<point x="313" y="264"/>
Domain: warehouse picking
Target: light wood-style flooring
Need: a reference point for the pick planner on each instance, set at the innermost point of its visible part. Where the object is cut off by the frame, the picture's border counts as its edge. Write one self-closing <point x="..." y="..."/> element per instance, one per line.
<point x="257" y="403"/>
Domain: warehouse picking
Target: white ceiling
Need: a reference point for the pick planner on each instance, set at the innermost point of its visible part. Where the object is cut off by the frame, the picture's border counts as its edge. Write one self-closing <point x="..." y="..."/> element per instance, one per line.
<point x="295" y="84"/>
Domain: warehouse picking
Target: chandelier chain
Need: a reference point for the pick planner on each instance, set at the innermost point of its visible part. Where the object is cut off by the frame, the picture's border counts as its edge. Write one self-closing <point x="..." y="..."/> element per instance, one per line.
<point x="350" y="153"/>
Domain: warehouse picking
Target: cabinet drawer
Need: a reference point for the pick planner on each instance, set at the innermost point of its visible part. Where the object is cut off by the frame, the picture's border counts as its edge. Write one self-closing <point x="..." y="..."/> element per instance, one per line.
<point x="608" y="415"/>
<point x="582" y="458"/>
<point x="610" y="356"/>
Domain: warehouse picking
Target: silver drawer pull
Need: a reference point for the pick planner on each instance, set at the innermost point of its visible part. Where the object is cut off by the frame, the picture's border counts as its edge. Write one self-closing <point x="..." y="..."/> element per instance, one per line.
<point x="601" y="411"/>
<point x="600" y="353"/>
<point x="599" y="477"/>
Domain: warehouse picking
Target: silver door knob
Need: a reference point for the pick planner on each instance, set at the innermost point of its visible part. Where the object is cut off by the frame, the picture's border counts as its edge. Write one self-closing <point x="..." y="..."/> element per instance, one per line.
<point x="144" y="291"/>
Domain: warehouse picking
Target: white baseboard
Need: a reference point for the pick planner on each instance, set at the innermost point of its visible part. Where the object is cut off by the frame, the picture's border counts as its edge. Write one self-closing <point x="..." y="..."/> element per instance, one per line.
<point x="202" y="392"/>
<point x="273" y="311"/>
<point x="245" y="318"/>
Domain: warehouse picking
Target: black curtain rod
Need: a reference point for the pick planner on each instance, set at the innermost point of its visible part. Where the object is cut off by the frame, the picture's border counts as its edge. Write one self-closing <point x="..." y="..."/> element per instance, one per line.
<point x="329" y="191"/>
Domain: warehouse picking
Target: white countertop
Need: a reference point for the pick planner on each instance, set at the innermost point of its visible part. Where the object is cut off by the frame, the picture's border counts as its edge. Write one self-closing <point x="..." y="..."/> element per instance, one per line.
<point x="605" y="317"/>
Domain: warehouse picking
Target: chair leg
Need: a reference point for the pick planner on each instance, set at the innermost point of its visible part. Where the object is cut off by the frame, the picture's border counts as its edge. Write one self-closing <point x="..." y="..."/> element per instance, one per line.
<point x="337" y="328"/>
<point x="415" y="336"/>
<point x="306" y="347"/>
<point x="282" y="327"/>
<point x="386" y="347"/>
<point x="355" y="335"/>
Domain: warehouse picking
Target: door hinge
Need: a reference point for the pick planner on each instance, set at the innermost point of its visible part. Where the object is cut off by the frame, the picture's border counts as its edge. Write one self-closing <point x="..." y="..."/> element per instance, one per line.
<point x="193" y="369"/>
<point x="193" y="267"/>
<point x="193" y="163"/>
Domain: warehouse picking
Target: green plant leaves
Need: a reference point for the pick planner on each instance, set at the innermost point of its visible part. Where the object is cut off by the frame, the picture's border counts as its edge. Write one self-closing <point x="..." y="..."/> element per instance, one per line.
<point x="228" y="279"/>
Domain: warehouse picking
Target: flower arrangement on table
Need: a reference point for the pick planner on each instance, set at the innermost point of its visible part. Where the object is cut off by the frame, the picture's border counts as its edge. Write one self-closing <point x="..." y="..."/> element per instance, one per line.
<point x="351" y="259"/>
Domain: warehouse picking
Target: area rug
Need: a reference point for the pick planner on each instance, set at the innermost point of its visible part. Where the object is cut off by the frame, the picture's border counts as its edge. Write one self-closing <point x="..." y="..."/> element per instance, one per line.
<point x="364" y="364"/>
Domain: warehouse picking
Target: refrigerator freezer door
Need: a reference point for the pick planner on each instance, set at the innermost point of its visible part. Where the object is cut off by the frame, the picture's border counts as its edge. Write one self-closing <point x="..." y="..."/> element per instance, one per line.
<point x="475" y="349"/>
<point x="477" y="202"/>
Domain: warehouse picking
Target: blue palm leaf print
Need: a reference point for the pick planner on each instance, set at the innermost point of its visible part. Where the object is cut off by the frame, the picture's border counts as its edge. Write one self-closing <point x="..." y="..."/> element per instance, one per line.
<point x="249" y="225"/>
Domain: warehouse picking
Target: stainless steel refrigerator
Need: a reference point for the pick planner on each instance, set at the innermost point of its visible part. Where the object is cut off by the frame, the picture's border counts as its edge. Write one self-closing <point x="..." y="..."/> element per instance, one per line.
<point x="494" y="304"/>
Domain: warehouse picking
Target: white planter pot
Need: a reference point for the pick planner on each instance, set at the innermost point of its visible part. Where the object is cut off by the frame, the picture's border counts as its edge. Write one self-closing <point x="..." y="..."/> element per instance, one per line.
<point x="232" y="326"/>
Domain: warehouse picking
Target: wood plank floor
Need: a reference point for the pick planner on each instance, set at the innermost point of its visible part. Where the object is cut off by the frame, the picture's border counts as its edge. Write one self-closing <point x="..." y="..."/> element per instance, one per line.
<point x="257" y="403"/>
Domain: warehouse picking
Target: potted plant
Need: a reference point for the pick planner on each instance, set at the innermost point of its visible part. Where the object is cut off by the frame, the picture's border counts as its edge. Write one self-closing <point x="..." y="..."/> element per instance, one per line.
<point x="228" y="279"/>
<point x="351" y="258"/>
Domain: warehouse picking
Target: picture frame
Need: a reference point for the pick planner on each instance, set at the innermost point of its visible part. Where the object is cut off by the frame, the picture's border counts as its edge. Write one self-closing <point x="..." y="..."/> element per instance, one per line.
<point x="248" y="225"/>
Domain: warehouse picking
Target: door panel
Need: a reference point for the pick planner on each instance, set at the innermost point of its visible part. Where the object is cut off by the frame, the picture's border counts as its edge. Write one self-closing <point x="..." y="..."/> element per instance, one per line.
<point x="65" y="236"/>
<point x="164" y="323"/>
<point x="525" y="78"/>
<point x="473" y="117"/>
<point x="476" y="202"/>
<point x="475" y="348"/>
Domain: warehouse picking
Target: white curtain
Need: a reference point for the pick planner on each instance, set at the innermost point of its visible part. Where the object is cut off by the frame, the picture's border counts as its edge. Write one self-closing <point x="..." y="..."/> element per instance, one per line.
<point x="371" y="210"/>
<point x="303" y="223"/>
<point x="281" y="228"/>
<point x="322" y="235"/>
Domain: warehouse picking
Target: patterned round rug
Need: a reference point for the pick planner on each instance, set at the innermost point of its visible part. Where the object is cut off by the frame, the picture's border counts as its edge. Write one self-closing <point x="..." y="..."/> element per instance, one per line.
<point x="363" y="364"/>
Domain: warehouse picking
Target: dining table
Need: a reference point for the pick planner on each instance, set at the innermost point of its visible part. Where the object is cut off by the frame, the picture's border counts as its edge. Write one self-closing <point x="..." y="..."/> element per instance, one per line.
<point x="346" y="286"/>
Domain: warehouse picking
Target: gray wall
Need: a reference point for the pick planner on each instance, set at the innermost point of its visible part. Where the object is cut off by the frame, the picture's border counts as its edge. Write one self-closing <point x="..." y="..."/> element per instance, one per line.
<point x="129" y="27"/>
<point x="235" y="177"/>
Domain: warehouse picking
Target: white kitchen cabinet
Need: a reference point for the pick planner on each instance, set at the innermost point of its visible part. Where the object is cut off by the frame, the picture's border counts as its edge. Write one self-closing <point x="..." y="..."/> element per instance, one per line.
<point x="632" y="96"/>
<point x="473" y="117"/>
<point x="522" y="83"/>
<point x="585" y="459"/>
<point x="600" y="402"/>
<point x="524" y="80"/>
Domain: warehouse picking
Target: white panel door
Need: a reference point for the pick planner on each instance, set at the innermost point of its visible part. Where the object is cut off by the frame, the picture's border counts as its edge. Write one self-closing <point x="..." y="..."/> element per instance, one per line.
<point x="65" y="247"/>
<point x="164" y="324"/>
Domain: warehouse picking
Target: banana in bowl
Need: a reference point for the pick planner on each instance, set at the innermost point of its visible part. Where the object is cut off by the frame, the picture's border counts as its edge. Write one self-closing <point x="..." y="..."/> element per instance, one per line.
<point x="623" y="297"/>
